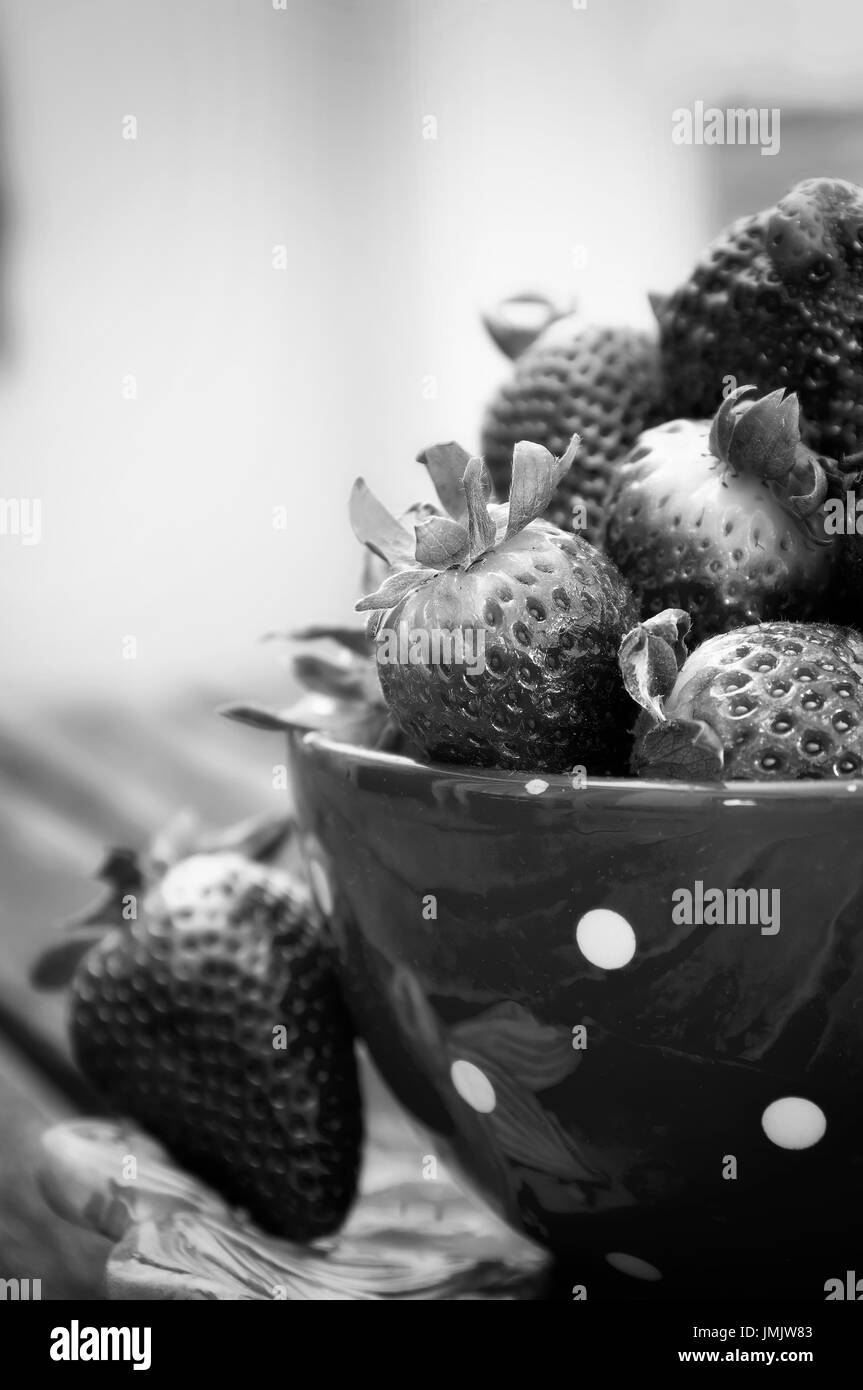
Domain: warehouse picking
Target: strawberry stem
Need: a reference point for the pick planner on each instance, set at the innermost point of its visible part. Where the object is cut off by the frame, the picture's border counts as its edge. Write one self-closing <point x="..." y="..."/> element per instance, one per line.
<point x="515" y="323"/>
<point x="477" y="490"/>
<point x="446" y="464"/>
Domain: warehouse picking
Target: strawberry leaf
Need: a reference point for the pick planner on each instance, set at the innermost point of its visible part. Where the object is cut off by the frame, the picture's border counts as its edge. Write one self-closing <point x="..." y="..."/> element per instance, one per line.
<point x="56" y="965"/>
<point x="441" y="542"/>
<point x="788" y="427"/>
<point x="535" y="475"/>
<point x="765" y="437"/>
<point x="680" y="750"/>
<point x="351" y="720"/>
<point x="256" y="716"/>
<point x="723" y="423"/>
<point x="446" y="464"/>
<point x="477" y="490"/>
<point x="814" y="480"/>
<point x="651" y="656"/>
<point x="354" y="639"/>
<point x="394" y="588"/>
<point x="325" y="677"/>
<point x="309" y="711"/>
<point x="377" y="528"/>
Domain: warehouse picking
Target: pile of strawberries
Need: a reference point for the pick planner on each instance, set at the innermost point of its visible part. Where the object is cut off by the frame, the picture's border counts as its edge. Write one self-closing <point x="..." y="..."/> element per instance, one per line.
<point x="715" y="474"/>
<point x="636" y="499"/>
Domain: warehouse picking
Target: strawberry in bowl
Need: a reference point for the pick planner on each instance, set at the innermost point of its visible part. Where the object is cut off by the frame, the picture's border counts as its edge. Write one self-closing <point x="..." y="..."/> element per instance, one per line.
<point x="778" y="701"/>
<point x="776" y="300"/>
<point x="725" y="518"/>
<point x="496" y="637"/>
<point x="599" y="381"/>
<point x="595" y="898"/>
<point x="623" y="1006"/>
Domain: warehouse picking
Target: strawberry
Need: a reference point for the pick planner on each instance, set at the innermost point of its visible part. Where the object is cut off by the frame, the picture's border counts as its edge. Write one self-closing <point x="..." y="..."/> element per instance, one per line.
<point x="777" y="300"/>
<point x="725" y="518"/>
<point x="601" y="383"/>
<point x="496" y="637"/>
<point x="778" y="701"/>
<point x="204" y="1007"/>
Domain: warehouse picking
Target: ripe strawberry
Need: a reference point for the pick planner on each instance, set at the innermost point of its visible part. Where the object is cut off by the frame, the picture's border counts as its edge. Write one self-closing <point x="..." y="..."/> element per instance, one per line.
<point x="777" y="300"/>
<point x="773" y="702"/>
<point x="599" y="383"/>
<point x="725" y="518"/>
<point x="212" y="1018"/>
<point x="537" y="617"/>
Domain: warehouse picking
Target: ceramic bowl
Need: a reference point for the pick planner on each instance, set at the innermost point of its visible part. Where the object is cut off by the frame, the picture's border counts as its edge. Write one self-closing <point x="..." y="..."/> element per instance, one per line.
<point x="667" y="1099"/>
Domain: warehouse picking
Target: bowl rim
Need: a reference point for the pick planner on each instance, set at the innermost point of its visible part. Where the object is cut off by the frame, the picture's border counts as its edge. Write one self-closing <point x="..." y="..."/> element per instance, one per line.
<point x="555" y="784"/>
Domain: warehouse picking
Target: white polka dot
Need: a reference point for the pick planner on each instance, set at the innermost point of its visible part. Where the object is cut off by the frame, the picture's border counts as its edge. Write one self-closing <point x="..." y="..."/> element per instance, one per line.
<point x="321" y="886"/>
<point x="536" y="787"/>
<point x="605" y="939"/>
<point x="851" y="787"/>
<point x="794" y="1123"/>
<point x="631" y="1264"/>
<point x="473" y="1086"/>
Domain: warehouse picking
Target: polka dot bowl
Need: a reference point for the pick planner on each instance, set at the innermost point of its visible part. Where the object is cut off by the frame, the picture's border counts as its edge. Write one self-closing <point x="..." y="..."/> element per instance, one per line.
<point x="548" y="974"/>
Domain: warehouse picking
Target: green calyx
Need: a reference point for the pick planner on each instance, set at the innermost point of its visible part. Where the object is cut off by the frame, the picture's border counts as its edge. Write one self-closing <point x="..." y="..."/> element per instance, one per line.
<point x="651" y="657"/>
<point x="761" y="439"/>
<point x="470" y="530"/>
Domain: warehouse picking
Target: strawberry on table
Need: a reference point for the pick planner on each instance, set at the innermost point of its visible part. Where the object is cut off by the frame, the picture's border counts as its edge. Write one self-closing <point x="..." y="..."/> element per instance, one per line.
<point x="543" y="610"/>
<point x="725" y="518"/>
<point x="212" y="1018"/>
<point x="778" y="701"/>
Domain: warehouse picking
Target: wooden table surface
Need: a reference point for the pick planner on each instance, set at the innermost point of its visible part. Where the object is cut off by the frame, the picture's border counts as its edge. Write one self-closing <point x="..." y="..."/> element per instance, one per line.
<point x="74" y="780"/>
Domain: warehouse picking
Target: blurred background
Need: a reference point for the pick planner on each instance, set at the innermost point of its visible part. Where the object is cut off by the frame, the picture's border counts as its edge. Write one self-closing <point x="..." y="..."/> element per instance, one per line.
<point x="243" y="249"/>
<point x="270" y="281"/>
